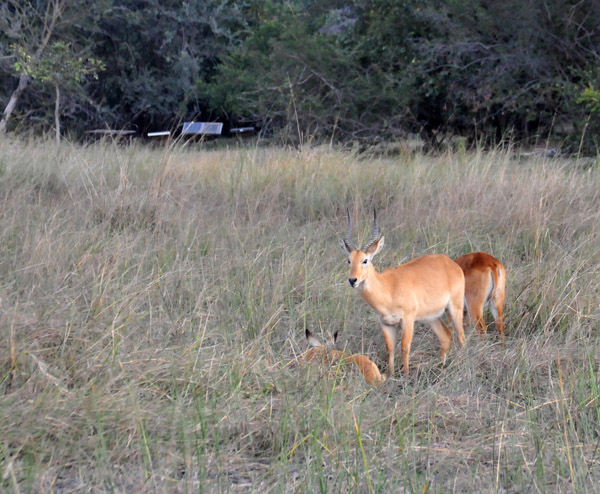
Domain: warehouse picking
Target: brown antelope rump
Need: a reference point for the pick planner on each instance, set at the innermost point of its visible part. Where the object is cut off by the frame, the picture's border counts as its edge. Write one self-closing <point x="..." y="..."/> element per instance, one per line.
<point x="420" y="290"/>
<point x="485" y="283"/>
<point x="328" y="355"/>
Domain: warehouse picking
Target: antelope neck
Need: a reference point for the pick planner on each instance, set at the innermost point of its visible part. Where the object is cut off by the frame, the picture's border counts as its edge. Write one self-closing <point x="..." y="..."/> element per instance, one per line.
<point x="370" y="287"/>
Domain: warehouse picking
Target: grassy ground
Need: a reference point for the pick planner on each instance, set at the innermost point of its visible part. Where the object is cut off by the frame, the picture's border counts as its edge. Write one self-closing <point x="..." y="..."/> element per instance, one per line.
<point x="151" y="303"/>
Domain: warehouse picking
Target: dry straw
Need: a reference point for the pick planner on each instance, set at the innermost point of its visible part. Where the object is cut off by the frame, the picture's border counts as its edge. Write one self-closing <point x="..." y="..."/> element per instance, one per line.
<point x="151" y="299"/>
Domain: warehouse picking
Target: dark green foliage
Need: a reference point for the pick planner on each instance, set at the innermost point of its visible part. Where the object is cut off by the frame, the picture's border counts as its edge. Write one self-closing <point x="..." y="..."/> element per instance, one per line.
<point x="299" y="72"/>
<point x="379" y="68"/>
<point x="345" y="70"/>
<point x="157" y="51"/>
<point x="509" y="66"/>
<point x="290" y="77"/>
<point x="153" y="53"/>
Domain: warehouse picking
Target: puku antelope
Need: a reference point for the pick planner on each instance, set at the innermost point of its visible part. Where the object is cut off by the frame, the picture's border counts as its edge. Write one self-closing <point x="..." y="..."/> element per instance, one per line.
<point x="485" y="283"/>
<point x="419" y="290"/>
<point x="329" y="355"/>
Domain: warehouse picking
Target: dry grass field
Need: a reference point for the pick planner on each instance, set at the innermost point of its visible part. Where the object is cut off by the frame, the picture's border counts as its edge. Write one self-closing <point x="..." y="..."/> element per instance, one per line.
<point x="152" y="303"/>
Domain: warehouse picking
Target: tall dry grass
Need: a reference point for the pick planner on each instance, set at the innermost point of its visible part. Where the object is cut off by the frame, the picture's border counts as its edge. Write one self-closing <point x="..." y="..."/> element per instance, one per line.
<point x="151" y="302"/>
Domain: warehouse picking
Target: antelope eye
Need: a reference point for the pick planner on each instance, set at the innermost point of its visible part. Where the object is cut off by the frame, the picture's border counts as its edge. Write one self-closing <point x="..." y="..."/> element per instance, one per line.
<point x="365" y="260"/>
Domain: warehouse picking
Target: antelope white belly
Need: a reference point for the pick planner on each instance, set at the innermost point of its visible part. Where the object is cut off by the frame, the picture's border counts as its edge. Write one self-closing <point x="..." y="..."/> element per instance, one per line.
<point x="432" y="317"/>
<point x="391" y="319"/>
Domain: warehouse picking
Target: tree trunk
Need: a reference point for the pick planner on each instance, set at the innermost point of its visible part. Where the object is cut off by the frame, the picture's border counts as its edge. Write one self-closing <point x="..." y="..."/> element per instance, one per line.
<point x="54" y="10"/>
<point x="12" y="102"/>
<point x="57" y="113"/>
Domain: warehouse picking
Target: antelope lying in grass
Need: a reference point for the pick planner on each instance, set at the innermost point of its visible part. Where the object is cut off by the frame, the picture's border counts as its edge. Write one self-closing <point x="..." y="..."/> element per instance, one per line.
<point x="328" y="355"/>
<point x="419" y="290"/>
<point x="485" y="283"/>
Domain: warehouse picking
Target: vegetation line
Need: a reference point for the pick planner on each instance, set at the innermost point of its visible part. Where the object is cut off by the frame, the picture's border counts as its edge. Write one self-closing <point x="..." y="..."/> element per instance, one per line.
<point x="152" y="341"/>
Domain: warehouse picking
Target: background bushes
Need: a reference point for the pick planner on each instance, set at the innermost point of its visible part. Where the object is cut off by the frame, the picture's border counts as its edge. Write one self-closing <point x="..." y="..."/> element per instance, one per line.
<point x="364" y="70"/>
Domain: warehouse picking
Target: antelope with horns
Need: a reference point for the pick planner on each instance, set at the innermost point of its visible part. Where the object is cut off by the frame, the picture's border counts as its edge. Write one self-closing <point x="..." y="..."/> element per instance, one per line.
<point x="326" y="354"/>
<point x="485" y="283"/>
<point x="419" y="290"/>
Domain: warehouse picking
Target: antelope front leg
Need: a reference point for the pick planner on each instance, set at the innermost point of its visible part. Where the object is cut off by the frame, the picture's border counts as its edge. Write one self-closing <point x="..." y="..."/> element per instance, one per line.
<point x="408" y="327"/>
<point x="389" y="335"/>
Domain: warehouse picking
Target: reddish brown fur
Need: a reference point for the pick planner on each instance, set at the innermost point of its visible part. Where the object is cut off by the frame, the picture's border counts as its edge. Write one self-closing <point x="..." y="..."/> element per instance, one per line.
<point x="328" y="356"/>
<point x="485" y="281"/>
<point x="420" y="290"/>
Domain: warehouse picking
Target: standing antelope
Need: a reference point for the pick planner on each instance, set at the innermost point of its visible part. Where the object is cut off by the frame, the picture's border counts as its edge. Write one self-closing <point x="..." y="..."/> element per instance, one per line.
<point x="419" y="290"/>
<point x="485" y="281"/>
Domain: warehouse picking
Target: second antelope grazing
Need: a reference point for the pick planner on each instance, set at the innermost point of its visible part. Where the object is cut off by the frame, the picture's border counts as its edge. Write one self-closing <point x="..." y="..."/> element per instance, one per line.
<point x="485" y="283"/>
<point x="323" y="352"/>
<point x="419" y="290"/>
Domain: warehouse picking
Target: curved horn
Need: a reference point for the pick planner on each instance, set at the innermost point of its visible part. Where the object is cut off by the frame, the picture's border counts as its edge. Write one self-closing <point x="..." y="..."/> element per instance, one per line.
<point x="348" y="239"/>
<point x="375" y="235"/>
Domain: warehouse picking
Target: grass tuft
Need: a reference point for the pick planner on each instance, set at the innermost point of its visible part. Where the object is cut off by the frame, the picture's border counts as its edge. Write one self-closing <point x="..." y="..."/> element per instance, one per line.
<point x="153" y="302"/>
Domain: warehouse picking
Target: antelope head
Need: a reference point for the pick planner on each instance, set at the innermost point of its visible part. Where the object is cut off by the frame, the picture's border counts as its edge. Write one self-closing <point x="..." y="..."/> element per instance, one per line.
<point x="323" y="351"/>
<point x="360" y="260"/>
<point x="314" y="342"/>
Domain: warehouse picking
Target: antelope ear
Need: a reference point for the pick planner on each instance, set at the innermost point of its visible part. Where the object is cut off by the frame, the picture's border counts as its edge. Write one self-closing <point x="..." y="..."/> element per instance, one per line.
<point x="312" y="339"/>
<point x="375" y="247"/>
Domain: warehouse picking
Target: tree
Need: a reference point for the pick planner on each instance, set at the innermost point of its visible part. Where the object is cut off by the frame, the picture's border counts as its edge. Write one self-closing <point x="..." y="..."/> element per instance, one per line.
<point x="298" y="73"/>
<point x="30" y="24"/>
<point x="362" y="70"/>
<point x="375" y="69"/>
<point x="155" y="52"/>
<point x="59" y="67"/>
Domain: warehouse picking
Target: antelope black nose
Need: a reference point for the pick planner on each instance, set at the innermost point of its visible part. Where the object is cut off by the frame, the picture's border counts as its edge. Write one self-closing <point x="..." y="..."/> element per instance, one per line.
<point x="352" y="281"/>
